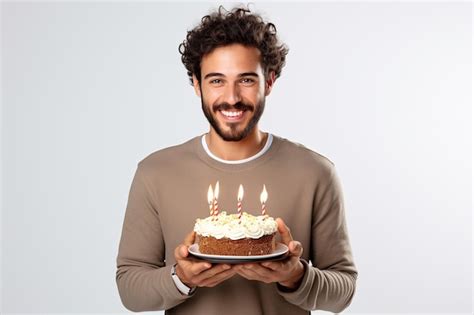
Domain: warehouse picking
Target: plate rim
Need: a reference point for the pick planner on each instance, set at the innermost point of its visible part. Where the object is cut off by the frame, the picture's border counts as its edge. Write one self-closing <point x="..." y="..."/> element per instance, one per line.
<point x="278" y="253"/>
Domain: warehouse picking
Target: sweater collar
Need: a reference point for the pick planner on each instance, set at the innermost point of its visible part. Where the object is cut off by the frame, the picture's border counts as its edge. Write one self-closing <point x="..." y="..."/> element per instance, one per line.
<point x="271" y="146"/>
<point x="265" y="148"/>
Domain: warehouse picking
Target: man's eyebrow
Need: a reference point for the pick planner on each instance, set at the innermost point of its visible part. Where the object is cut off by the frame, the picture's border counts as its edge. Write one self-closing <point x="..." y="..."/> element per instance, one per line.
<point x="213" y="74"/>
<point x="217" y="74"/>
<point x="248" y="74"/>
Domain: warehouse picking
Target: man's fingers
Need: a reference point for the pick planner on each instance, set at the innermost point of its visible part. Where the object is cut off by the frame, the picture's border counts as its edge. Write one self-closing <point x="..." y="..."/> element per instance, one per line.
<point x="284" y="231"/>
<point x="189" y="239"/>
<point x="197" y="268"/>
<point x="218" y="278"/>
<point x="295" y="248"/>
<point x="217" y="269"/>
<point x="247" y="273"/>
<point x="273" y="265"/>
<point x="255" y="269"/>
<point x="255" y="272"/>
<point x="181" y="252"/>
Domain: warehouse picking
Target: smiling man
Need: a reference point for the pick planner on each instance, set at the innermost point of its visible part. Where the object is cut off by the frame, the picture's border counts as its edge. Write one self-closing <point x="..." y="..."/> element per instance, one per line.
<point x="233" y="60"/>
<point x="232" y="92"/>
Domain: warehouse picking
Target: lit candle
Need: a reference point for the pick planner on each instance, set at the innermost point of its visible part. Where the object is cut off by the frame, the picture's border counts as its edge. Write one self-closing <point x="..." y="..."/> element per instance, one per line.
<point x="263" y="199"/>
<point x="216" y="195"/>
<point x="240" y="196"/>
<point x="210" y="200"/>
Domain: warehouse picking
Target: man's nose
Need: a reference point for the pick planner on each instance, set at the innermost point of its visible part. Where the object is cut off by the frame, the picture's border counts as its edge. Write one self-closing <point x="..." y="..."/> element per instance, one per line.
<point x="232" y="94"/>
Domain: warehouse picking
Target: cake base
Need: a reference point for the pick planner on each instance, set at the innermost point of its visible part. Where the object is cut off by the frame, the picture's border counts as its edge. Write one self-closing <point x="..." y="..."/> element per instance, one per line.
<point x="242" y="247"/>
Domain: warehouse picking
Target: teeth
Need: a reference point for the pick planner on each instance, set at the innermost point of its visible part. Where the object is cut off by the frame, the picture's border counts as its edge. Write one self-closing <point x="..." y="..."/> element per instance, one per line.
<point x="231" y="114"/>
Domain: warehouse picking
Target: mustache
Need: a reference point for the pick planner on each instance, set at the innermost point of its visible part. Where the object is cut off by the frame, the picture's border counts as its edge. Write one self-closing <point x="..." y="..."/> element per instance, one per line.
<point x="237" y="106"/>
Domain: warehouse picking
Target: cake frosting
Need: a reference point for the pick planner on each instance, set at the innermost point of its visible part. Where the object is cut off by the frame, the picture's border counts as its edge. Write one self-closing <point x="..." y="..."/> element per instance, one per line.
<point x="230" y="226"/>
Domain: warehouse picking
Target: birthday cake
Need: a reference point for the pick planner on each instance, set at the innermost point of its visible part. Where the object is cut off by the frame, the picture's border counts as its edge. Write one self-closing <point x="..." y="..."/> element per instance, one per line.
<point x="229" y="234"/>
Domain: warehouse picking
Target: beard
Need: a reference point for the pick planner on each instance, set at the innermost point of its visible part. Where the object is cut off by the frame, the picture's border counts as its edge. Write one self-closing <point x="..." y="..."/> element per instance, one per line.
<point x="234" y="134"/>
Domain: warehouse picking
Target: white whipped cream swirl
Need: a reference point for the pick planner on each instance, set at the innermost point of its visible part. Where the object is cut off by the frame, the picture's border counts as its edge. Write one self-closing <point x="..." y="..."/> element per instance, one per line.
<point x="229" y="226"/>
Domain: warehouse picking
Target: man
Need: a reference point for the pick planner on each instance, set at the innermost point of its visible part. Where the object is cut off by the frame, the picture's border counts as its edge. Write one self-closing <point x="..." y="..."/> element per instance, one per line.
<point x="233" y="59"/>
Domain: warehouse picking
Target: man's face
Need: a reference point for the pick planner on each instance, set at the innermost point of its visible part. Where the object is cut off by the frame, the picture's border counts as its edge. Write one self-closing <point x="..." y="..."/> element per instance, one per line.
<point x="232" y="90"/>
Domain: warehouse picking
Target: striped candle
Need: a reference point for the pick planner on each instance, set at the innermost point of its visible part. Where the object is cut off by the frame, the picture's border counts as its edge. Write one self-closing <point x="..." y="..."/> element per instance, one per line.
<point x="240" y="196"/>
<point x="210" y="200"/>
<point x="263" y="199"/>
<point x="216" y="195"/>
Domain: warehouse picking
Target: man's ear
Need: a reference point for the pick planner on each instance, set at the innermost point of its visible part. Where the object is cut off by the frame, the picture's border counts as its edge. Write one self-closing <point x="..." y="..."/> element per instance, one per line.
<point x="196" y="86"/>
<point x="270" y="80"/>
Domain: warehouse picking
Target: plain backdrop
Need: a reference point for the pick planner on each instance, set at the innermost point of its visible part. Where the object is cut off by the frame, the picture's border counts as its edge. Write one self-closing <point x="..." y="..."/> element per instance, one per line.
<point x="382" y="89"/>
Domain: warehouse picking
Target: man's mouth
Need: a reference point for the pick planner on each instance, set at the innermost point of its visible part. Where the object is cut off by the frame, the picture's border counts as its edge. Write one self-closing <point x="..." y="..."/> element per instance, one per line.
<point x="232" y="115"/>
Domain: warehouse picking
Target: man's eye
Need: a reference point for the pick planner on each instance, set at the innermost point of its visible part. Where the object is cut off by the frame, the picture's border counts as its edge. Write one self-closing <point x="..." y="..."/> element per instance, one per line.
<point x="247" y="80"/>
<point x="216" y="81"/>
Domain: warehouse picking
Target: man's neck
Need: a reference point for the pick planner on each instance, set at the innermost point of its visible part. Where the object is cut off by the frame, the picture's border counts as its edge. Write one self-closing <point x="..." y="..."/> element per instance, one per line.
<point x="236" y="150"/>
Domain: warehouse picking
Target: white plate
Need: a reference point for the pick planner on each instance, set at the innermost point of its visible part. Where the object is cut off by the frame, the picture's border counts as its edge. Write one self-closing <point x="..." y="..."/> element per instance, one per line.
<point x="279" y="253"/>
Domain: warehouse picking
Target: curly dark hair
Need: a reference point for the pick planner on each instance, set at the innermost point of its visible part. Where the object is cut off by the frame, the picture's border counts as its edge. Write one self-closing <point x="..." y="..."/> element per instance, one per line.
<point x="238" y="26"/>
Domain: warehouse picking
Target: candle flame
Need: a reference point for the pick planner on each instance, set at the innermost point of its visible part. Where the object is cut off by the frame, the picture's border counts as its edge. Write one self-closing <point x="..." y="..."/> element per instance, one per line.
<point x="263" y="195"/>
<point x="216" y="190"/>
<point x="240" y="196"/>
<point x="210" y="195"/>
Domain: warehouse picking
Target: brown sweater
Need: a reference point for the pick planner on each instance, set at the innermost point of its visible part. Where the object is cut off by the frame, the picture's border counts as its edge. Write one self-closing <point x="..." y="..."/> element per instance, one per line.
<point x="168" y="193"/>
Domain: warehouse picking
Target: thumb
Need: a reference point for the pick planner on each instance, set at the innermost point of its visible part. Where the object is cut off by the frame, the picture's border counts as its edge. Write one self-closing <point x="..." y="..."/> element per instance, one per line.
<point x="295" y="248"/>
<point x="189" y="239"/>
<point x="284" y="231"/>
<point x="181" y="252"/>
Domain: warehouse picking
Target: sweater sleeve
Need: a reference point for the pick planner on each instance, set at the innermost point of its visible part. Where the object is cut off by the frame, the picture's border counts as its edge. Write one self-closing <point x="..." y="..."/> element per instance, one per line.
<point x="329" y="281"/>
<point x="143" y="279"/>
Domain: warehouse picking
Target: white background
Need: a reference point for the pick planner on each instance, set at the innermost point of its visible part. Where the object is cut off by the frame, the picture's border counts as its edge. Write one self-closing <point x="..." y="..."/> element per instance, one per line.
<point x="382" y="89"/>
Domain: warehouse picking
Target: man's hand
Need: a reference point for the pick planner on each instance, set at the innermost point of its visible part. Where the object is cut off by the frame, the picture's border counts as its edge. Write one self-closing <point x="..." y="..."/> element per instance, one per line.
<point x="196" y="273"/>
<point x="288" y="272"/>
